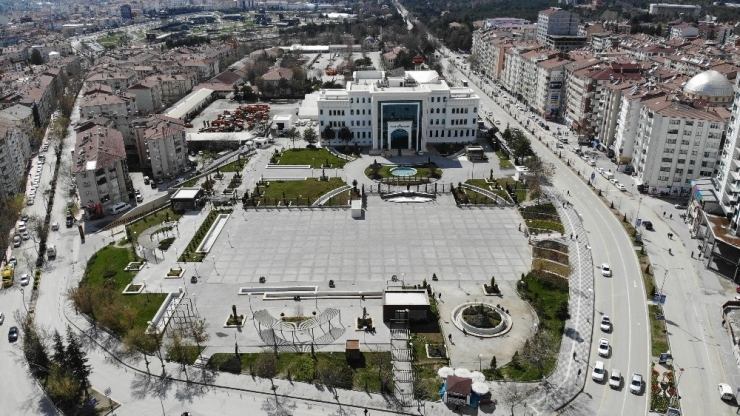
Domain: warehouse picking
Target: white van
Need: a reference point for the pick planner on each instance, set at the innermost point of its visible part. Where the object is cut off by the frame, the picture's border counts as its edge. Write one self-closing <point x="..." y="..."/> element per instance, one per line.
<point x="725" y="392"/>
<point x="608" y="175"/>
<point x="119" y="207"/>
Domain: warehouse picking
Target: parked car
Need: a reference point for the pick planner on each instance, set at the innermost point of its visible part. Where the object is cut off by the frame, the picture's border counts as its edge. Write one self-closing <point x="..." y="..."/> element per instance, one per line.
<point x="25" y="278"/>
<point x="648" y="225"/>
<point x="606" y="271"/>
<point x="69" y="221"/>
<point x="598" y="373"/>
<point x="620" y="186"/>
<point x="118" y="208"/>
<point x="615" y="380"/>
<point x="13" y="334"/>
<point x="26" y="235"/>
<point x="680" y="206"/>
<point x="636" y="383"/>
<point x="16" y="241"/>
<point x="54" y="226"/>
<point x="186" y="169"/>
<point x="2" y="318"/>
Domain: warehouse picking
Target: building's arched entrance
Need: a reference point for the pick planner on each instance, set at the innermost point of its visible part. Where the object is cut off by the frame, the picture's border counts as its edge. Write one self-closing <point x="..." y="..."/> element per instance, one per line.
<point x="400" y="139"/>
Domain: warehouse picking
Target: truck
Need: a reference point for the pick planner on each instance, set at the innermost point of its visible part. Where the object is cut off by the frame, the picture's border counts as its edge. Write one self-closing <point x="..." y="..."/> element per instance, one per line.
<point x="51" y="251"/>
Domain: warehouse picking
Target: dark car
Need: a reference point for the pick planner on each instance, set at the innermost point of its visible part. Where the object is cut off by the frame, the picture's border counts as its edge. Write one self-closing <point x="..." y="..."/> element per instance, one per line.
<point x="13" y="334"/>
<point x="70" y="221"/>
<point x="648" y="225"/>
<point x="153" y="185"/>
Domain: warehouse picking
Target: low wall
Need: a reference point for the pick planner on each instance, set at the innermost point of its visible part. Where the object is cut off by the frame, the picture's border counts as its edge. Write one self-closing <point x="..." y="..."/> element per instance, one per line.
<point x="165" y="312"/>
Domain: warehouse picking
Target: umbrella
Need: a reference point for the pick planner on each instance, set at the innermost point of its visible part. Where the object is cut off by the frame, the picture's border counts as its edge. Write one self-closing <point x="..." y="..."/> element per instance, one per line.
<point x="477" y="377"/>
<point x="480" y="388"/>
<point x="462" y="372"/>
<point x="445" y="371"/>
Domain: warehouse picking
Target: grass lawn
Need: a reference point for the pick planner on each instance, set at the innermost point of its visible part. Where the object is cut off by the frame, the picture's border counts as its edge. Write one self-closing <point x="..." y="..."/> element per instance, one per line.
<point x="658" y="337"/>
<point x="111" y="261"/>
<point x="302" y="367"/>
<point x="546" y="225"/>
<point x="522" y="193"/>
<point x="190" y="353"/>
<point x="546" y="294"/>
<point x="473" y="197"/>
<point x="426" y="368"/>
<point x="343" y="198"/>
<point x="314" y="157"/>
<point x="189" y="254"/>
<point x="235" y="166"/>
<point x="542" y="264"/>
<point x="503" y="161"/>
<point x="385" y="172"/>
<point x="308" y="190"/>
<point x="150" y="221"/>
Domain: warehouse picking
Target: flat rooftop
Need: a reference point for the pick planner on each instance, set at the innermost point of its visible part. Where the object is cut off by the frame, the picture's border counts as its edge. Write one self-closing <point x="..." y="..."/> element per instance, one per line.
<point x="405" y="297"/>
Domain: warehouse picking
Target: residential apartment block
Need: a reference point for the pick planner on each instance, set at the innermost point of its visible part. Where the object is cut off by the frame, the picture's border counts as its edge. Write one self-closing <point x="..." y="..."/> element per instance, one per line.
<point x="166" y="148"/>
<point x="99" y="166"/>
<point x="14" y="154"/>
<point x="558" y="22"/>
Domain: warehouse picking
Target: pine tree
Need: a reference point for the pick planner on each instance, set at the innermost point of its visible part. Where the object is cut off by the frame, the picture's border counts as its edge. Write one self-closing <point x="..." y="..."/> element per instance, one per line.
<point x="77" y="362"/>
<point x="60" y="353"/>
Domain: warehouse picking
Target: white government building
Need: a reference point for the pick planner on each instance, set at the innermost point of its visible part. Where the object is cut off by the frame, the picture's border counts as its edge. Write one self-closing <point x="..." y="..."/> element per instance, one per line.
<point x="398" y="113"/>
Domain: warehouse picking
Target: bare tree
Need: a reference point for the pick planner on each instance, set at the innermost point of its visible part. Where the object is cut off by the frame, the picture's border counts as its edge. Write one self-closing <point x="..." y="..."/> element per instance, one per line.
<point x="266" y="366"/>
<point x="514" y="395"/>
<point x="139" y="340"/>
<point x="540" y="349"/>
<point x="540" y="174"/>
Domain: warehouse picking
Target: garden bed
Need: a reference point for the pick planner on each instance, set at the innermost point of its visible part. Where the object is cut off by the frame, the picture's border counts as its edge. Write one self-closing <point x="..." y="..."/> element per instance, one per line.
<point x="303" y="192"/>
<point x="316" y="158"/>
<point x="133" y="289"/>
<point x="436" y="350"/>
<point x="191" y="252"/>
<point x="175" y="273"/>
<point x="135" y="266"/>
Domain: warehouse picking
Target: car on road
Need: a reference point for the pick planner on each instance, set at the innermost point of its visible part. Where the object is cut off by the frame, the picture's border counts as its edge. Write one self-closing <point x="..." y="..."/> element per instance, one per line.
<point x="13" y="334"/>
<point x="146" y="180"/>
<point x="613" y="181"/>
<point x="620" y="186"/>
<point x="598" y="373"/>
<point x="22" y="226"/>
<point x="185" y="169"/>
<point x="16" y="241"/>
<point x="615" y="379"/>
<point x="604" y="347"/>
<point x="648" y="225"/>
<point x="160" y="181"/>
<point x="606" y="271"/>
<point x="139" y="198"/>
<point x="2" y="318"/>
<point x="725" y="392"/>
<point x="30" y="201"/>
<point x="606" y="323"/>
<point x="54" y="226"/>
<point x="25" y="278"/>
<point x="118" y="208"/>
<point x="13" y="261"/>
<point x="680" y="206"/>
<point x="497" y="122"/>
<point x="26" y="235"/>
<point x="636" y="383"/>
<point x="69" y="221"/>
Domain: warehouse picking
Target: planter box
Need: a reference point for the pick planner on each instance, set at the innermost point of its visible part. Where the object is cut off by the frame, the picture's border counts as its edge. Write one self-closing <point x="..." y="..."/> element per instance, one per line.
<point x="491" y="294"/>
<point x="168" y="276"/>
<point x="226" y="325"/>
<point x="444" y="348"/>
<point x="357" y="328"/>
<point x="135" y="266"/>
<point x="132" y="289"/>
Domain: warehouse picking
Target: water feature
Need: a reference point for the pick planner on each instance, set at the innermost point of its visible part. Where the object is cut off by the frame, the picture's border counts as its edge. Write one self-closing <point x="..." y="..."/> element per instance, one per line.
<point x="403" y="171"/>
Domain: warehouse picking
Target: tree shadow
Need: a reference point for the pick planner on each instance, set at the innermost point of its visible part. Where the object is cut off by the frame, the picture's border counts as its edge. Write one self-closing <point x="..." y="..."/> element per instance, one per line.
<point x="573" y="334"/>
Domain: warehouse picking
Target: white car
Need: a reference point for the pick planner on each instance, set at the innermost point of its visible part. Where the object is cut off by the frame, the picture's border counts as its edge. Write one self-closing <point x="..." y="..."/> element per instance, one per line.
<point x="26" y="235"/>
<point x="30" y="201"/>
<point x="497" y="122"/>
<point x="615" y="380"/>
<point x="592" y="162"/>
<point x="620" y="186"/>
<point x="25" y="278"/>
<point x="604" y="347"/>
<point x="613" y="181"/>
<point x="598" y="374"/>
<point x="606" y="324"/>
<point x="636" y="383"/>
<point x="22" y="226"/>
<point x="606" y="270"/>
<point x="2" y="318"/>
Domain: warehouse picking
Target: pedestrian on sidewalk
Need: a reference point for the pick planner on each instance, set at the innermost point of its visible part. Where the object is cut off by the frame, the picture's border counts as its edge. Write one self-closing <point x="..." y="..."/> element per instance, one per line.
<point x="671" y="216"/>
<point x="574" y="355"/>
<point x="579" y="373"/>
<point x="663" y="214"/>
<point x="568" y="193"/>
<point x="571" y="236"/>
<point x="365" y="412"/>
<point x="450" y="337"/>
<point x="692" y="254"/>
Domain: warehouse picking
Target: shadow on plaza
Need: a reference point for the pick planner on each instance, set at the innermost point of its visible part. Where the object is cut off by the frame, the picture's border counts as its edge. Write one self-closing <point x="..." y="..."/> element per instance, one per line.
<point x="188" y="387"/>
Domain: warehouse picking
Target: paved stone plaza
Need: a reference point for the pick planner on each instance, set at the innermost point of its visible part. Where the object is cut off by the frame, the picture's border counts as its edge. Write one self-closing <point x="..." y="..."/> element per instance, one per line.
<point x="314" y="246"/>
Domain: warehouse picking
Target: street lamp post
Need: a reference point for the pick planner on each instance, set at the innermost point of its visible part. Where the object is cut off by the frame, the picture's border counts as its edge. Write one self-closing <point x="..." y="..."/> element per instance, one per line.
<point x="665" y="277"/>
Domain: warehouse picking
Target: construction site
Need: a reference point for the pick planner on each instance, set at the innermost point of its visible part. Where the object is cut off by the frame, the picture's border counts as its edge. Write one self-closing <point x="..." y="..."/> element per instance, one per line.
<point x="244" y="117"/>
